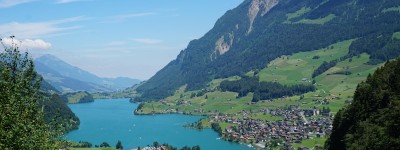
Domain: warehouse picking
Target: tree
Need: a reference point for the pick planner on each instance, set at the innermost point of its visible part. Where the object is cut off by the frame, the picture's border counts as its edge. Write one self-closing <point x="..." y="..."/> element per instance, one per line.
<point x="372" y="119"/>
<point x="119" y="145"/>
<point x="156" y="144"/>
<point x="217" y="128"/>
<point x="22" y="124"/>
<point x="197" y="147"/>
<point x="105" y="144"/>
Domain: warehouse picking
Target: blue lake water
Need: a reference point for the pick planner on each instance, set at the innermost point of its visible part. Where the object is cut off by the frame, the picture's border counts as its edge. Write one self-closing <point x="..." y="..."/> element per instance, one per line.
<point x="113" y="120"/>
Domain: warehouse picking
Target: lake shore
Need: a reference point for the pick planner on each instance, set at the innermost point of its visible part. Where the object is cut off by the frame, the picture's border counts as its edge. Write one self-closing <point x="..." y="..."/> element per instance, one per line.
<point x="113" y="120"/>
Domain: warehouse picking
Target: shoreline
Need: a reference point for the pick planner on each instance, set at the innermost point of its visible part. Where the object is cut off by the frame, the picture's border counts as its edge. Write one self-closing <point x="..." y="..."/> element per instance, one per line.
<point x="189" y="126"/>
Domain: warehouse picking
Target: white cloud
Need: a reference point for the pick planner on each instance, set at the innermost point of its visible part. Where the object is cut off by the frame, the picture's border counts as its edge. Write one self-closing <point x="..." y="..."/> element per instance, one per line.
<point x="147" y="41"/>
<point x="37" y="29"/>
<point x="116" y="43"/>
<point x="69" y="1"/>
<point x="10" y="3"/>
<point x="123" y="17"/>
<point x="27" y="44"/>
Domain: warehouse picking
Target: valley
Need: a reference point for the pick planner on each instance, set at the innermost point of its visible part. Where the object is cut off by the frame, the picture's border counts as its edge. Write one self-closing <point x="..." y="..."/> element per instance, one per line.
<point x="267" y="74"/>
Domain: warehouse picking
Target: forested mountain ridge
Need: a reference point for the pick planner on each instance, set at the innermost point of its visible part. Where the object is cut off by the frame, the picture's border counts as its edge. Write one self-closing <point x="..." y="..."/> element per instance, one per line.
<point x="56" y="111"/>
<point x="258" y="31"/>
<point x="372" y="120"/>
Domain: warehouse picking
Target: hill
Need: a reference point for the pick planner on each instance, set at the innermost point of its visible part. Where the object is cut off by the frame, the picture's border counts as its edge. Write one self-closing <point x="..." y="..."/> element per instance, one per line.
<point x="258" y="31"/>
<point x="78" y="97"/>
<point x="67" y="78"/>
<point x="56" y="111"/>
<point x="371" y="121"/>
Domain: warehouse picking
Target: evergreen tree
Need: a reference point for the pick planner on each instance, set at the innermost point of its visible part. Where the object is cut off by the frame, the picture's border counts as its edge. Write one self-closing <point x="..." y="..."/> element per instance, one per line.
<point x="372" y="120"/>
<point x="22" y="123"/>
<point x="105" y="144"/>
<point x="156" y="144"/>
<point x="119" y="145"/>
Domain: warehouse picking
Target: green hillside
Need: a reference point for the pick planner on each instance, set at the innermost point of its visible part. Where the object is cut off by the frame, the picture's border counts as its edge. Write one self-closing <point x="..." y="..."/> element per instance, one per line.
<point x="242" y="41"/>
<point x="334" y="90"/>
<point x="288" y="70"/>
<point x="78" y="97"/>
<point x="288" y="65"/>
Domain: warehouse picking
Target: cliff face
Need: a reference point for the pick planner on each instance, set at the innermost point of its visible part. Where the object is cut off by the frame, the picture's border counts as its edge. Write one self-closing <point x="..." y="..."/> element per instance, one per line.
<point x="258" y="31"/>
<point x="259" y="6"/>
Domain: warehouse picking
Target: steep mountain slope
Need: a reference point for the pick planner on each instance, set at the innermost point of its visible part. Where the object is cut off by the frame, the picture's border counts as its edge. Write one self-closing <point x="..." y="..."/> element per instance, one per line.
<point x="372" y="120"/>
<point x="68" y="78"/>
<point x="56" y="111"/>
<point x="258" y="31"/>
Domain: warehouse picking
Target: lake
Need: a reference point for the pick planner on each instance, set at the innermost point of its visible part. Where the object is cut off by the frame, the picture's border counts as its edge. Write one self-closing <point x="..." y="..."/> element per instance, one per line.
<point x="112" y="120"/>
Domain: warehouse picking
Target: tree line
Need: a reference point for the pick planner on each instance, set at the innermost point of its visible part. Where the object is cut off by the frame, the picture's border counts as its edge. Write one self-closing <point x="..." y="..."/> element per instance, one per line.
<point x="263" y="90"/>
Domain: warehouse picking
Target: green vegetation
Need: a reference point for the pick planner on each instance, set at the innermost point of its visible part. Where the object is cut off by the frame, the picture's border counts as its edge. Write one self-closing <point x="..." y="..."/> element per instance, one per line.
<point x="334" y="90"/>
<point x="338" y="89"/>
<point x="126" y="93"/>
<point x="22" y="124"/>
<point x="311" y="143"/>
<point x="319" y="21"/>
<point x="371" y="121"/>
<point x="165" y="146"/>
<point x="298" y="13"/>
<point x="119" y="145"/>
<point x="392" y="9"/>
<point x="78" y="97"/>
<point x="263" y="90"/>
<point x="316" y="25"/>
<point x="287" y="46"/>
<point x="298" y="44"/>
<point x="102" y="148"/>
<point x="290" y="70"/>
<point x="58" y="114"/>
<point x="396" y="35"/>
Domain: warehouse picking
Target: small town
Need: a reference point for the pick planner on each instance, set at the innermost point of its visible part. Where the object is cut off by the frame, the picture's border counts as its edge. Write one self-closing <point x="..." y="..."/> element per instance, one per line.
<point x="293" y="128"/>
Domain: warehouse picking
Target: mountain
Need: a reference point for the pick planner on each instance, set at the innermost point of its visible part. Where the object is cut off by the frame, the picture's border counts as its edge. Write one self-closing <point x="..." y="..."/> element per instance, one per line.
<point x="66" y="84"/>
<point x="372" y="120"/>
<point x="57" y="113"/>
<point x="68" y="78"/>
<point x="256" y="32"/>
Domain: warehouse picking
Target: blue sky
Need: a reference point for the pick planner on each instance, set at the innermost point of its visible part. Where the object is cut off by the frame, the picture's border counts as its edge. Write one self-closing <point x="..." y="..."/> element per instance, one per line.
<point x="110" y="38"/>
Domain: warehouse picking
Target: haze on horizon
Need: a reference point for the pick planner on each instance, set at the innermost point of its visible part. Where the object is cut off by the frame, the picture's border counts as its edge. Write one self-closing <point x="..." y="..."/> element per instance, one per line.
<point x="128" y="38"/>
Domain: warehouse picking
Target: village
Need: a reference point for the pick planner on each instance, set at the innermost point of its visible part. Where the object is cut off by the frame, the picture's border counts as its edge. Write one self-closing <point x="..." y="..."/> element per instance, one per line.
<point x="293" y="128"/>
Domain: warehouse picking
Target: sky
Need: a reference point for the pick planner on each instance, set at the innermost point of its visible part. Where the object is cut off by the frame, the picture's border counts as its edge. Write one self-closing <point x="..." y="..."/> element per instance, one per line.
<point x="110" y="38"/>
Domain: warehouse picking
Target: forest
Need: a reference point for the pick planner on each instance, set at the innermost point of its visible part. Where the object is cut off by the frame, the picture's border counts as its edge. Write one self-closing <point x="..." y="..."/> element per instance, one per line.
<point x="372" y="120"/>
<point x="32" y="114"/>
<point x="263" y="90"/>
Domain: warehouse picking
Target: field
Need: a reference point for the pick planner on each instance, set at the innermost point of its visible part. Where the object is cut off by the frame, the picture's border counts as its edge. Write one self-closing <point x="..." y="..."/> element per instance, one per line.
<point x="320" y="21"/>
<point x="79" y="97"/>
<point x="391" y="9"/>
<point x="311" y="143"/>
<point x="296" y="14"/>
<point x="292" y="69"/>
